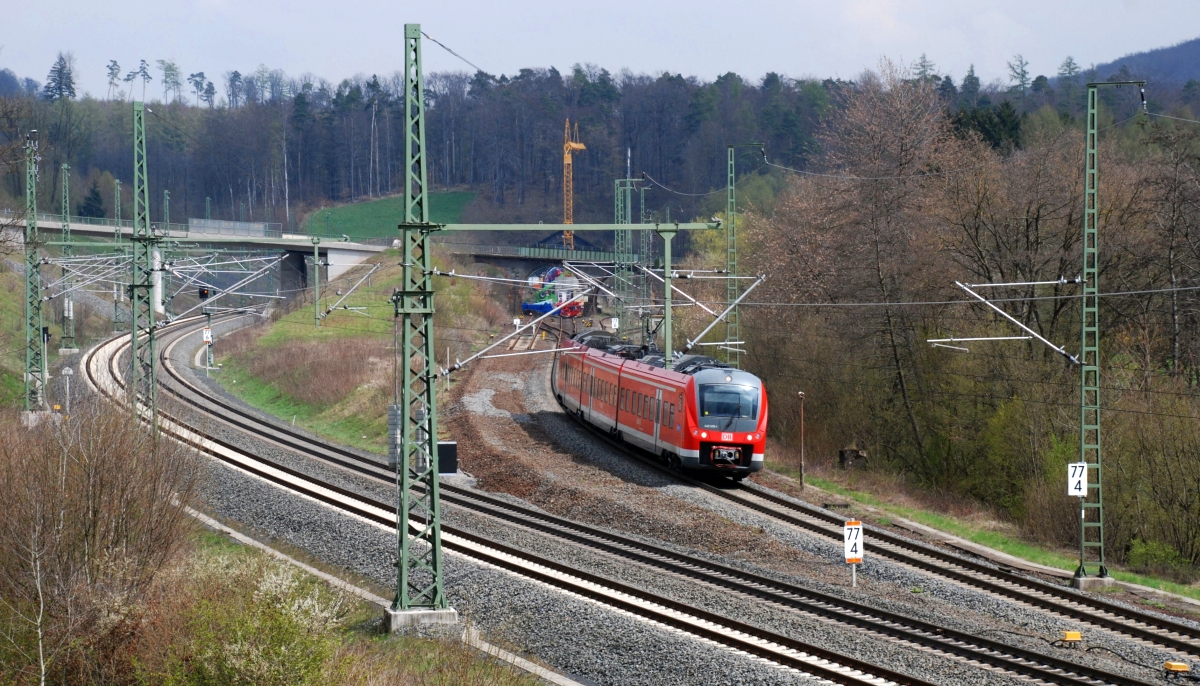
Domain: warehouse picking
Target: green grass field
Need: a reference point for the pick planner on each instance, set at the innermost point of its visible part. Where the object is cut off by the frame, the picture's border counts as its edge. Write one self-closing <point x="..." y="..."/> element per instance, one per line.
<point x="12" y="338"/>
<point x="378" y="218"/>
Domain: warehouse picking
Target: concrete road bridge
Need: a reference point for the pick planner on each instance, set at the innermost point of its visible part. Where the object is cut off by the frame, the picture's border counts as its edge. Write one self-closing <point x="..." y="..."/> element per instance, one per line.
<point x="340" y="253"/>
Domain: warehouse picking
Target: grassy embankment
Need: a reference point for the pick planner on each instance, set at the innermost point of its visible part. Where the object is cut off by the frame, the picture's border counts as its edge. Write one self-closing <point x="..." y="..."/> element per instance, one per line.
<point x="377" y="218"/>
<point x="886" y="497"/>
<point x="239" y="616"/>
<point x="336" y="380"/>
<point x="12" y="338"/>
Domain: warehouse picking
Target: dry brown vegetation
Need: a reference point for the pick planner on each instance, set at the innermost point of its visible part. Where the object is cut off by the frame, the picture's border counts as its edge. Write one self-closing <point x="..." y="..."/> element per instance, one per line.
<point x="318" y="373"/>
<point x="104" y="580"/>
<point x="928" y="205"/>
<point x="93" y="512"/>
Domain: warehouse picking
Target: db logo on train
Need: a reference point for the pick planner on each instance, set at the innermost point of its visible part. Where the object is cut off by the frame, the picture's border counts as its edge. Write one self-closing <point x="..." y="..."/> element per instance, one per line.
<point x="726" y="437"/>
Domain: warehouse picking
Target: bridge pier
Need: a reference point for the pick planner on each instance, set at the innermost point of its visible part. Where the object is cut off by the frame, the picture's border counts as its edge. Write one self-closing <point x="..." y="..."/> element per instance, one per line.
<point x="293" y="273"/>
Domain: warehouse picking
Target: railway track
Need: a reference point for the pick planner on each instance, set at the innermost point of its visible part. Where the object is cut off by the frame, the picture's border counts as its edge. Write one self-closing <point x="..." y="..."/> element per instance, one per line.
<point x="892" y="626"/>
<point x="100" y="368"/>
<point x="1151" y="629"/>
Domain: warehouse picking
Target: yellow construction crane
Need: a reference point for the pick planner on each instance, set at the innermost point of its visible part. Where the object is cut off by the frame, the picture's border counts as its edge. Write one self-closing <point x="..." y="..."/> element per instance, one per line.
<point x="570" y="144"/>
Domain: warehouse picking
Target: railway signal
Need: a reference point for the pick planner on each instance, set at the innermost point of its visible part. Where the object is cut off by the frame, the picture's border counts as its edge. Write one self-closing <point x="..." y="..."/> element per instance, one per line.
<point x="852" y="539"/>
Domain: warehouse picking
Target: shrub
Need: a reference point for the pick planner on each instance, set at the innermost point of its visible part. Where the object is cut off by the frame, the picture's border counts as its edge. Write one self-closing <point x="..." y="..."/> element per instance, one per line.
<point x="93" y="513"/>
<point x="243" y="619"/>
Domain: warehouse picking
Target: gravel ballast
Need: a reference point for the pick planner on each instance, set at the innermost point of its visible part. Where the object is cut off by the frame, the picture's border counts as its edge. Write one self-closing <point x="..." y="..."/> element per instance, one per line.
<point x="601" y="646"/>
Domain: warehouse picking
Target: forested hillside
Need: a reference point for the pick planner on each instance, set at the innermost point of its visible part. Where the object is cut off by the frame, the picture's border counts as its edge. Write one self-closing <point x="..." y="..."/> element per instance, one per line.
<point x="862" y="265"/>
<point x="1177" y="63"/>
<point x="875" y="196"/>
<point x="264" y="146"/>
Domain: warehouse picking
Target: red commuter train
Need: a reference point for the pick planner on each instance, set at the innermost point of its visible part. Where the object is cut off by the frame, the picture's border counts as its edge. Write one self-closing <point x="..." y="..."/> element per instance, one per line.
<point x="700" y="415"/>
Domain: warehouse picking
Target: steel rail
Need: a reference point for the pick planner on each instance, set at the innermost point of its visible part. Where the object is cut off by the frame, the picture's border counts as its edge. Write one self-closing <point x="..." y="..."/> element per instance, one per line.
<point x="948" y="641"/>
<point x="783" y="650"/>
<point x="1006" y="584"/>
<point x="1003" y="586"/>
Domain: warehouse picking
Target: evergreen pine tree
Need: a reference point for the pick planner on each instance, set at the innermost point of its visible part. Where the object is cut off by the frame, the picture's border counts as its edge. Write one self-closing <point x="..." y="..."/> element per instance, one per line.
<point x="970" y="88"/>
<point x="60" y="82"/>
<point x="946" y="88"/>
<point x="93" y="204"/>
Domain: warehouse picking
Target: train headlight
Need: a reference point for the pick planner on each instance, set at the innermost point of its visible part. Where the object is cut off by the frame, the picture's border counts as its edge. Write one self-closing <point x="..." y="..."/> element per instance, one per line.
<point x="694" y="432"/>
<point x="756" y="436"/>
<point x="703" y="434"/>
<point x="750" y="437"/>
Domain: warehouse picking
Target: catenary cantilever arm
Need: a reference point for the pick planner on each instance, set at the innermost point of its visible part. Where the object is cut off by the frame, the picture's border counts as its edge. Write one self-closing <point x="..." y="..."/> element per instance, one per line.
<point x="1021" y="326"/>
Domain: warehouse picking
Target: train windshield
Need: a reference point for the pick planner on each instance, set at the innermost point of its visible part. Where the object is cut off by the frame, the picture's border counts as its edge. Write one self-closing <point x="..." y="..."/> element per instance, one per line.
<point x="728" y="400"/>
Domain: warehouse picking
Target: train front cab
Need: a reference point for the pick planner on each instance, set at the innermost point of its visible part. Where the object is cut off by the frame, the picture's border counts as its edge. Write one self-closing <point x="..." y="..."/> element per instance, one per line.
<point x="726" y="423"/>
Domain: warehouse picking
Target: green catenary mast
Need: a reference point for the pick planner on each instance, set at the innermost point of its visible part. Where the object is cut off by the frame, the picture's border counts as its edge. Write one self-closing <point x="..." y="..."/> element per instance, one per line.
<point x="141" y="289"/>
<point x="419" y="525"/>
<point x="35" y="341"/>
<point x="68" y="304"/>
<point x="1091" y="530"/>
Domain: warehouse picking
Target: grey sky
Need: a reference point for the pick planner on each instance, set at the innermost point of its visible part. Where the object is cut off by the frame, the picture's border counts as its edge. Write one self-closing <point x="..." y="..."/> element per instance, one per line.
<point x="700" y="37"/>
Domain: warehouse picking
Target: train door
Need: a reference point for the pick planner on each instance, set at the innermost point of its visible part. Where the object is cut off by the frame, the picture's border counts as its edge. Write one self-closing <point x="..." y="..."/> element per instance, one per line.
<point x="655" y="417"/>
<point x="591" y="389"/>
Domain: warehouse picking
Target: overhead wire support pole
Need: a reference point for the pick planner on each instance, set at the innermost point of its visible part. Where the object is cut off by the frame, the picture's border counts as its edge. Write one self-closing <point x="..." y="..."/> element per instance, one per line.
<point x="1089" y="340"/>
<point x="732" y="328"/>
<point x="68" y="304"/>
<point x="419" y="581"/>
<point x="143" y="386"/>
<point x="667" y="232"/>
<point x="35" y="342"/>
<point x="316" y="242"/>
<point x="623" y="245"/>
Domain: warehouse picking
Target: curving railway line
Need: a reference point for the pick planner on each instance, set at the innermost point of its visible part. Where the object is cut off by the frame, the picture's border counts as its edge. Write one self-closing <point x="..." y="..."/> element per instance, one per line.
<point x="101" y="370"/>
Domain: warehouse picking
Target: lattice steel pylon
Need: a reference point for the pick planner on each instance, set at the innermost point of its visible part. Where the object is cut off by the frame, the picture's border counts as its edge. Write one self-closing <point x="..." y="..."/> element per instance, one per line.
<point x="116" y="320"/>
<point x="35" y="340"/>
<point x="68" y="304"/>
<point x="732" y="323"/>
<point x="731" y="259"/>
<point x="1089" y="342"/>
<point x="625" y="279"/>
<point x="419" y="514"/>
<point x="142" y="385"/>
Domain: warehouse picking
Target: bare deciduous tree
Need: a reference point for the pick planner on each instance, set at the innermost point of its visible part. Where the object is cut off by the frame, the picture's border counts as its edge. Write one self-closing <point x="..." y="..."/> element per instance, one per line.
<point x="94" y="509"/>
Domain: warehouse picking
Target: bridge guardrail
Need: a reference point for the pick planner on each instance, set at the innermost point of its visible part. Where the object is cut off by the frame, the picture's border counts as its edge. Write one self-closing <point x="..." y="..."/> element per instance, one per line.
<point x="527" y="251"/>
<point x="199" y="227"/>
